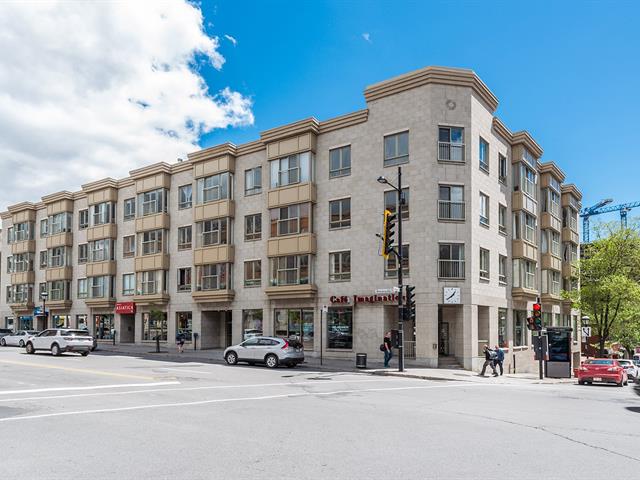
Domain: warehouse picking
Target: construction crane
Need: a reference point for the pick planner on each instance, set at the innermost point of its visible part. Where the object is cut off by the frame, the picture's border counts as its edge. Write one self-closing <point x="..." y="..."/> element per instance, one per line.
<point x="601" y="207"/>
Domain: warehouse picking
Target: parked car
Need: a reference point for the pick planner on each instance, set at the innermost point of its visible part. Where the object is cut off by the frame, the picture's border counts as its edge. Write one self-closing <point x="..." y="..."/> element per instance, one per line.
<point x="631" y="368"/>
<point x="251" y="332"/>
<point x="59" y="340"/>
<point x="18" y="339"/>
<point x="271" y="351"/>
<point x="603" y="370"/>
<point x="5" y="331"/>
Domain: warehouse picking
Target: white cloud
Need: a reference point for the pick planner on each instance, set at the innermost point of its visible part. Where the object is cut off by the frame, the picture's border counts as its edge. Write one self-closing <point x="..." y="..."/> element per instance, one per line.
<point x="367" y="37"/>
<point x="231" y="39"/>
<point x="95" y="89"/>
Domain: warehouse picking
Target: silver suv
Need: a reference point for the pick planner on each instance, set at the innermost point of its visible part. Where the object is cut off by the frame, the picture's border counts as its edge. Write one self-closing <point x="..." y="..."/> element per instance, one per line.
<point x="271" y="351"/>
<point x="59" y="340"/>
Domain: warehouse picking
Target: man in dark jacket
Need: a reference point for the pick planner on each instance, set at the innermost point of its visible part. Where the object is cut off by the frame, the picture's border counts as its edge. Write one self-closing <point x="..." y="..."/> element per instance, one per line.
<point x="489" y="357"/>
<point x="499" y="358"/>
<point x="388" y="353"/>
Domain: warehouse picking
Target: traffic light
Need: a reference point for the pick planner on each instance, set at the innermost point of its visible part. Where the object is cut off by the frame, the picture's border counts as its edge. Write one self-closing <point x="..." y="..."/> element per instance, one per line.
<point x="531" y="324"/>
<point x="388" y="232"/>
<point x="410" y="311"/>
<point x="537" y="316"/>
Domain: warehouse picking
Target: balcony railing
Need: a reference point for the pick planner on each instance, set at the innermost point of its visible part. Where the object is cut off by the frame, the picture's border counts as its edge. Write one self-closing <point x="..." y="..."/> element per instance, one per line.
<point x="450" y="268"/>
<point x="451" y="152"/>
<point x="448" y="210"/>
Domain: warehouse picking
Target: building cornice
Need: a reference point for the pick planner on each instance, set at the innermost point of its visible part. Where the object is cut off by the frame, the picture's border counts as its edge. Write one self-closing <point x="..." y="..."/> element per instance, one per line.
<point x="210" y="153"/>
<point x="290" y="130"/>
<point x="99" y="185"/>
<point x="553" y="169"/>
<point x="79" y="194"/>
<point x="460" y="77"/>
<point x="148" y="171"/>
<point x="6" y="215"/>
<point x="22" y="206"/>
<point x="182" y="166"/>
<point x="344" y="121"/>
<point x="523" y="137"/>
<point x="250" y="147"/>
<point x="570" y="188"/>
<point x="56" y="197"/>
<point x="502" y="130"/>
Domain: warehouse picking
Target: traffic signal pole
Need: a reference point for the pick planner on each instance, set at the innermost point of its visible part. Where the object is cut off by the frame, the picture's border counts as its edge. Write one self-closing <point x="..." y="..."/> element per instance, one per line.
<point x="538" y="311"/>
<point x="400" y="288"/>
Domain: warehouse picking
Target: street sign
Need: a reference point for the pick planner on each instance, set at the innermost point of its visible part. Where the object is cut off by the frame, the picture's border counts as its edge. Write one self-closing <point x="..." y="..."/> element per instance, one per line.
<point x="586" y="332"/>
<point x="325" y="309"/>
<point x="385" y="291"/>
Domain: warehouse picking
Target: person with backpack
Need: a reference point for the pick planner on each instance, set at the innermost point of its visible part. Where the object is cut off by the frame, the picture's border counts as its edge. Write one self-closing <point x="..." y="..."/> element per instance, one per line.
<point x="385" y="347"/>
<point x="180" y="342"/>
<point x="489" y="357"/>
<point x="499" y="359"/>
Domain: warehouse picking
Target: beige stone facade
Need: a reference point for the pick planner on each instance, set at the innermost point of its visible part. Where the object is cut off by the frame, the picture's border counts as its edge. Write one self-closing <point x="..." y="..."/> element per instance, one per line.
<point x="490" y="228"/>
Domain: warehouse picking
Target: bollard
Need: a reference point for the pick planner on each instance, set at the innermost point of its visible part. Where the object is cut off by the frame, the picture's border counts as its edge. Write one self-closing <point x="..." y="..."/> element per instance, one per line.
<point x="195" y="341"/>
<point x="157" y="343"/>
<point x="114" y="338"/>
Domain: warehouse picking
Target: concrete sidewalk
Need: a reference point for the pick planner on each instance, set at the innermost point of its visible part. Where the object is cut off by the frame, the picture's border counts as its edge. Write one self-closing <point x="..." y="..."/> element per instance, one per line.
<point x="375" y="367"/>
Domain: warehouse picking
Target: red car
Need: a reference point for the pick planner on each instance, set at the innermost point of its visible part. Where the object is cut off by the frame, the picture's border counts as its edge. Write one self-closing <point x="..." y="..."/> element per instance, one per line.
<point x="603" y="370"/>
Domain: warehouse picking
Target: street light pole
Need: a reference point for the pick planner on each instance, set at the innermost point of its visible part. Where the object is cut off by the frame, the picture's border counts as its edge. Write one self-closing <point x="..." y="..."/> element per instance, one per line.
<point x="399" y="256"/>
<point x="44" y="296"/>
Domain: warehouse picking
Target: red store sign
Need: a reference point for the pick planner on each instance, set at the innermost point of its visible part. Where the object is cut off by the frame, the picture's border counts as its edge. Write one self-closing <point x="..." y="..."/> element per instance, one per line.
<point x="355" y="299"/>
<point x="126" y="307"/>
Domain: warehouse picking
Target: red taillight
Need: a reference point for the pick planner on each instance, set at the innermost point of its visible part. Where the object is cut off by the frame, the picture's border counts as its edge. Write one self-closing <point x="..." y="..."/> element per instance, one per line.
<point x="286" y="345"/>
<point x="613" y="369"/>
<point x="584" y="369"/>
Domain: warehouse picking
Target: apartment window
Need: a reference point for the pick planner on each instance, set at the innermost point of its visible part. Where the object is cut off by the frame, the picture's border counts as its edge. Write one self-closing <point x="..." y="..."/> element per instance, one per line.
<point x="551" y="202"/>
<point x="290" y="220"/>
<point x="519" y="328"/>
<point x="484" y="264"/>
<point x="550" y="242"/>
<point x="502" y="219"/>
<point x="213" y="188"/>
<point x="340" y="162"/>
<point x="340" y="266"/>
<point x="10" y="266"/>
<point x="58" y="290"/>
<point x="11" y="235"/>
<point x="391" y="264"/>
<point x="154" y="327"/>
<point x="128" y="284"/>
<point x="43" y="259"/>
<point x="152" y="242"/>
<point x="502" y="168"/>
<point x="59" y="257"/>
<point x="524" y="227"/>
<point x="396" y="149"/>
<point x="83" y="252"/>
<point x="83" y="219"/>
<point x="451" y="144"/>
<point x="253" y="227"/>
<point x="212" y="232"/>
<point x="212" y="276"/>
<point x="97" y="286"/>
<point x="570" y="252"/>
<point x="42" y="288"/>
<point x="103" y="213"/>
<point x="527" y="181"/>
<point x="502" y="270"/>
<point x="551" y="282"/>
<point x="391" y="202"/>
<point x="253" y="181"/>
<point x="570" y="218"/>
<point x="150" y="203"/>
<point x="340" y="328"/>
<point x="101" y="250"/>
<point x="451" y="260"/>
<point x="524" y="274"/>
<point x="149" y="282"/>
<point x="451" y="204"/>
<point x="484" y="209"/>
<point x="128" y="246"/>
<point x="83" y="291"/>
<point x="184" y="237"/>
<point x="44" y="227"/>
<point x="24" y="231"/>
<point x="252" y="273"/>
<point x="185" y="195"/>
<point x="290" y="170"/>
<point x="184" y="279"/>
<point x="129" y="209"/>
<point x="21" y="262"/>
<point x="60" y="222"/>
<point x="290" y="270"/>
<point x="340" y="213"/>
<point x="484" y="155"/>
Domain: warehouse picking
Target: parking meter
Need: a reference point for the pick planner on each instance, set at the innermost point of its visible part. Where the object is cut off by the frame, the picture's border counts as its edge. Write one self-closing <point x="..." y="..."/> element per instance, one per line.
<point x="195" y="340"/>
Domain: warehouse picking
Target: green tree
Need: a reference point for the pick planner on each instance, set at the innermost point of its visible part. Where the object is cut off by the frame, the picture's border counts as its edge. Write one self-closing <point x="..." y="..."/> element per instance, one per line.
<point x="609" y="274"/>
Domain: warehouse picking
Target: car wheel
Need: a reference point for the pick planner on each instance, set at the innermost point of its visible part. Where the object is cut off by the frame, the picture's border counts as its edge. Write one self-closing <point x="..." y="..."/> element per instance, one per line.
<point x="621" y="383"/>
<point x="30" y="348"/>
<point x="580" y="382"/>
<point x="21" y="343"/>
<point x="84" y="354"/>
<point x="231" y="358"/>
<point x="271" y="361"/>
<point x="3" y="342"/>
<point x="55" y="350"/>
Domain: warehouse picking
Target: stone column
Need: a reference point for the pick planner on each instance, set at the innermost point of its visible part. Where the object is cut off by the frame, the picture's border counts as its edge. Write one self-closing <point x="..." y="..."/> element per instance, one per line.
<point x="471" y="361"/>
<point x="427" y="334"/>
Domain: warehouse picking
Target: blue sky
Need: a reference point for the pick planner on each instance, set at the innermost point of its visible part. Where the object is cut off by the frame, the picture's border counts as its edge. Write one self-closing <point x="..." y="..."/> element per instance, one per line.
<point x="568" y="72"/>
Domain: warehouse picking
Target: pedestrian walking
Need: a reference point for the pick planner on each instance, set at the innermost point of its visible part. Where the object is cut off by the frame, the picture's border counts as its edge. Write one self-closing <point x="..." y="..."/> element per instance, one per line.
<point x="499" y="358"/>
<point x="489" y="357"/>
<point x="180" y="342"/>
<point x="388" y="353"/>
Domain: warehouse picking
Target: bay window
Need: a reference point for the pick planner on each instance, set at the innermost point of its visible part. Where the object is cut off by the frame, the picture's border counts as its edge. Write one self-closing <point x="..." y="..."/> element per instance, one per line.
<point x="213" y="188"/>
<point x="152" y="242"/>
<point x="101" y="287"/>
<point x="551" y="282"/>
<point x="23" y="231"/>
<point x="291" y="270"/>
<point x="290" y="220"/>
<point x="20" y="262"/>
<point x="103" y="213"/>
<point x="212" y="232"/>
<point x="58" y="290"/>
<point x="213" y="276"/>
<point x="60" y="222"/>
<point x="59" y="257"/>
<point x="292" y="169"/>
<point x="524" y="274"/>
<point x="102" y="250"/>
<point x="152" y="202"/>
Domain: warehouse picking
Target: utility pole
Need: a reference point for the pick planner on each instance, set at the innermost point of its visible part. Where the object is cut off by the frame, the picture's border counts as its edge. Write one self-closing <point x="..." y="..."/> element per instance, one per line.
<point x="399" y="256"/>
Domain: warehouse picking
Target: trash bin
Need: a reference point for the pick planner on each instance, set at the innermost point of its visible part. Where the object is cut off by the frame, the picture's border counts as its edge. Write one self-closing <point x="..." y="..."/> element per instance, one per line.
<point x="361" y="360"/>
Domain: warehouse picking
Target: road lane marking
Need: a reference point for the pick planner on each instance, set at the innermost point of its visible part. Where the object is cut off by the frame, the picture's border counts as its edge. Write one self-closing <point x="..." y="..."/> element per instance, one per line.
<point x="229" y="400"/>
<point x="78" y="370"/>
<point x="183" y="370"/>
<point x="154" y="390"/>
<point x="95" y="387"/>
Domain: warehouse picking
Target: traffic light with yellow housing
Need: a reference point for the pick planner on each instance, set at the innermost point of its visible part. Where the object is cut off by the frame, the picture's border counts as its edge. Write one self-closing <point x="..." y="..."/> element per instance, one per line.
<point x="388" y="233"/>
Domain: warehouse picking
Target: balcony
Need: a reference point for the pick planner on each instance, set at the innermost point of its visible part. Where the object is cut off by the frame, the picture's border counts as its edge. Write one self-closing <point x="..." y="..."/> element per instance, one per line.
<point x="23" y="246"/>
<point x="153" y="222"/>
<point x="98" y="269"/>
<point x="569" y="235"/>
<point x="291" y="194"/>
<point x="64" y="239"/>
<point x="520" y="201"/>
<point x="23" y="277"/>
<point x="209" y="211"/>
<point x="453" y="269"/>
<point x="524" y="293"/>
<point x="108" y="230"/>
<point x="213" y="296"/>
<point x="58" y="273"/>
<point x="100" y="302"/>
<point x="451" y="211"/>
<point x="22" y="305"/>
<point x="213" y="254"/>
<point x="292" y="245"/>
<point x="291" y="291"/>
<point x="523" y="249"/>
<point x="451" y="152"/>
<point x="151" y="299"/>
<point x="159" y="261"/>
<point x="548" y="221"/>
<point x="551" y="262"/>
<point x="59" y="304"/>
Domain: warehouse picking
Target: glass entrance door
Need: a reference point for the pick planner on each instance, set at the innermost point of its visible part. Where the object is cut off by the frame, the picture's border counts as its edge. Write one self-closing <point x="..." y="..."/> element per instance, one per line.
<point x="443" y="338"/>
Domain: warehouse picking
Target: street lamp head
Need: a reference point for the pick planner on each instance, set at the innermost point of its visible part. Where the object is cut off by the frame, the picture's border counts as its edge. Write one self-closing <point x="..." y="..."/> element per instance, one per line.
<point x="382" y="180"/>
<point x="585" y="320"/>
<point x="44" y="295"/>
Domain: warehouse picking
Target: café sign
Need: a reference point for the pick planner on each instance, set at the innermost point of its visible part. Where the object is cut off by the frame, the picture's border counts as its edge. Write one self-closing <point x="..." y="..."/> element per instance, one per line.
<point x="370" y="299"/>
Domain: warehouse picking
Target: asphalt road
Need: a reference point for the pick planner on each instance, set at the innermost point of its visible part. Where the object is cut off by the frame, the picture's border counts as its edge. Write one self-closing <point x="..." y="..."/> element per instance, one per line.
<point x="116" y="417"/>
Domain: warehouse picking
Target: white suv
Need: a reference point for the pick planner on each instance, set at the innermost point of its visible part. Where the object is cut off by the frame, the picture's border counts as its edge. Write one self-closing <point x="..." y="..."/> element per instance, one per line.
<point x="59" y="340"/>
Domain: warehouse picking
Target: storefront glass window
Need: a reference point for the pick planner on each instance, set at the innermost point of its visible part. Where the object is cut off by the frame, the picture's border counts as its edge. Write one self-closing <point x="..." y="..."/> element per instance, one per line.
<point x="9" y="322"/>
<point x="340" y="328"/>
<point x="153" y="327"/>
<point x="295" y="324"/>
<point x="25" y="323"/>
<point x="81" y="322"/>
<point x="61" y="321"/>
<point x="519" y="328"/>
<point x="251" y="323"/>
<point x="104" y="325"/>
<point x="502" y="328"/>
<point x="184" y="325"/>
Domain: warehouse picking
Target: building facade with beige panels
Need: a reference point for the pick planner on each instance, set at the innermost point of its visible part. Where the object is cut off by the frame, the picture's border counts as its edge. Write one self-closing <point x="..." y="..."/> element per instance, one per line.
<point x="257" y="238"/>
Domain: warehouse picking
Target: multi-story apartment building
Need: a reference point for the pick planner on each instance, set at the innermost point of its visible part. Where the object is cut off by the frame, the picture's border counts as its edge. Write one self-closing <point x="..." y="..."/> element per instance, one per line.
<point x="260" y="237"/>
